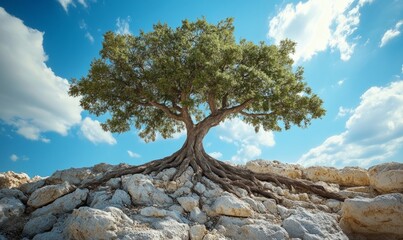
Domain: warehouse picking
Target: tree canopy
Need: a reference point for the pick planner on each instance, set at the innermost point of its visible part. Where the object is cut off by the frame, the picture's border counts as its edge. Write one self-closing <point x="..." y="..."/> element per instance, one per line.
<point x="195" y="76"/>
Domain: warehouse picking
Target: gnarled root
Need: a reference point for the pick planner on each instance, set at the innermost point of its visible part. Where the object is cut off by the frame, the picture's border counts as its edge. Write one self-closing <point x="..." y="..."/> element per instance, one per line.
<point x="227" y="176"/>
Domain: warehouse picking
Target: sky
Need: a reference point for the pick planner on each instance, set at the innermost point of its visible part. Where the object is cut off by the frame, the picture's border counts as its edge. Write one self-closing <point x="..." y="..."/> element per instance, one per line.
<point x="351" y="50"/>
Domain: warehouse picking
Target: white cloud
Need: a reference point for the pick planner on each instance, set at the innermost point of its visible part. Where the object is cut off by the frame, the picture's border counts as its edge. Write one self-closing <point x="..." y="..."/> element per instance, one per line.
<point x="344" y="111"/>
<point x="318" y="25"/>
<point x="243" y="135"/>
<point x="66" y="3"/>
<point x="89" y="37"/>
<point x="122" y="26"/>
<point x="391" y="33"/>
<point x="14" y="157"/>
<point x="374" y="133"/>
<point x="215" y="155"/>
<point x="31" y="95"/>
<point x="92" y="130"/>
<point x="340" y="82"/>
<point x="133" y="154"/>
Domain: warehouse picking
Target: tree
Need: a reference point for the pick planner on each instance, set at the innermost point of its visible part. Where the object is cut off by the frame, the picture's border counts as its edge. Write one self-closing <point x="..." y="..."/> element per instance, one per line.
<point x="190" y="79"/>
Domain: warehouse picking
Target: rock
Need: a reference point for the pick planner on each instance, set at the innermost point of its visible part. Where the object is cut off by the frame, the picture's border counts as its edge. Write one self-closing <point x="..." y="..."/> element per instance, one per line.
<point x="262" y="166"/>
<point x="11" y="179"/>
<point x="334" y="204"/>
<point x="48" y="194"/>
<point x="387" y="177"/>
<point x="199" y="188"/>
<point x="121" y="198"/>
<point x="143" y="191"/>
<point x="348" y="176"/>
<point x="30" y="187"/>
<point x="305" y="225"/>
<point x="188" y="203"/>
<point x="198" y="216"/>
<point x="238" y="228"/>
<point x="231" y="206"/>
<point x="64" y="204"/>
<point x="48" y="236"/>
<point x="166" y="174"/>
<point x="114" y="183"/>
<point x="197" y="232"/>
<point x="90" y="223"/>
<point x="271" y="206"/>
<point x="255" y="205"/>
<point x="380" y="215"/>
<point x="171" y="229"/>
<point x="39" y="225"/>
<point x="73" y="176"/>
<point x="12" y="193"/>
<point x="10" y="208"/>
<point x="153" y="212"/>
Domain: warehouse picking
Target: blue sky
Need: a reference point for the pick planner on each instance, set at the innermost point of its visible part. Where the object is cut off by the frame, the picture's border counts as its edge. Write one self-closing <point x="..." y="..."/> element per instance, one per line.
<point x="352" y="52"/>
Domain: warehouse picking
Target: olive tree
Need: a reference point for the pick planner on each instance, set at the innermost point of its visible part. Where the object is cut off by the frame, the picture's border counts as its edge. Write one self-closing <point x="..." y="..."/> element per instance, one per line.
<point x="191" y="78"/>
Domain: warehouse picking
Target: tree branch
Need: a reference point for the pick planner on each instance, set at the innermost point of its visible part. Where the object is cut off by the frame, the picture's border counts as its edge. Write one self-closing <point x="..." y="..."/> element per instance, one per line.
<point x="255" y="114"/>
<point x="168" y="111"/>
<point x="211" y="103"/>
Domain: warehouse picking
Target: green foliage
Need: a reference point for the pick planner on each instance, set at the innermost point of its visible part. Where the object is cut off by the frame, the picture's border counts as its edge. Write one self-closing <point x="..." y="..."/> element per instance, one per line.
<point x="169" y="79"/>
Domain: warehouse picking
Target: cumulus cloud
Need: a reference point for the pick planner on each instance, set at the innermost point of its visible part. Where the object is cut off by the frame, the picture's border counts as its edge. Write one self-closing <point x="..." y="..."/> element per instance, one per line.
<point x="66" y="3"/>
<point x="31" y="95"/>
<point x="122" y="26"/>
<point x="216" y="155"/>
<point x="13" y="157"/>
<point x="133" y="154"/>
<point x="83" y="26"/>
<point x="92" y="130"/>
<point x="243" y="135"/>
<point x="391" y="33"/>
<point x="317" y="25"/>
<point x="374" y="132"/>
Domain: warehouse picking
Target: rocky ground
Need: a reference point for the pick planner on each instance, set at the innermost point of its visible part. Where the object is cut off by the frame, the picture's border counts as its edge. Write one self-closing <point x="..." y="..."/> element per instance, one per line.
<point x="152" y="207"/>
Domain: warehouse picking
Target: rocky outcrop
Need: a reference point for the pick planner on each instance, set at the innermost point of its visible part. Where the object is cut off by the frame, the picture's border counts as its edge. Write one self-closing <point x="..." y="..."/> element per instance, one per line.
<point x="387" y="177"/>
<point x="261" y="166"/>
<point x="11" y="179"/>
<point x="154" y="207"/>
<point x="379" y="216"/>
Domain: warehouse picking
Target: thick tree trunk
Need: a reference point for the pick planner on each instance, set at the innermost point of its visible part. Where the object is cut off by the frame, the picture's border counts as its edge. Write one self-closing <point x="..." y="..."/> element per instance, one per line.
<point x="227" y="176"/>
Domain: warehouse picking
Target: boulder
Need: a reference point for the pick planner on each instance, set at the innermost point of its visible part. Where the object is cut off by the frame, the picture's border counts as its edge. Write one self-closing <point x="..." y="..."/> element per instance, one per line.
<point x="48" y="236"/>
<point x="39" y="225"/>
<point x="64" y="204"/>
<point x="73" y="176"/>
<point x="231" y="206"/>
<point x="171" y="229"/>
<point x="48" y="194"/>
<point x="306" y="225"/>
<point x="90" y="223"/>
<point x="381" y="215"/>
<point x="121" y="198"/>
<point x="153" y="212"/>
<point x="12" y="193"/>
<point x="30" y="187"/>
<point x="143" y="191"/>
<point x="276" y="167"/>
<point x="387" y="177"/>
<point x="10" y="208"/>
<point x="348" y="176"/>
<point x="11" y="179"/>
<point x="253" y="229"/>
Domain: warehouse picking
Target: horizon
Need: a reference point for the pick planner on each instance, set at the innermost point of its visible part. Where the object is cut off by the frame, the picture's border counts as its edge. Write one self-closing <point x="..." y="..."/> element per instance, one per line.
<point x="351" y="52"/>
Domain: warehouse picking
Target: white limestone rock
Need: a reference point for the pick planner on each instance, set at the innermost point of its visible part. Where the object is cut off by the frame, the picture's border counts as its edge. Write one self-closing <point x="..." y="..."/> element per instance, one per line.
<point x="153" y="212"/>
<point x="231" y="206"/>
<point x="11" y="179"/>
<point x="197" y="232"/>
<point x="48" y="194"/>
<point x="253" y="229"/>
<point x="90" y="223"/>
<point x="387" y="177"/>
<point x="12" y="193"/>
<point x="10" y="208"/>
<point x="348" y="176"/>
<point x="188" y="203"/>
<point x="39" y="225"/>
<point x="306" y="226"/>
<point x="197" y="215"/>
<point x="276" y="167"/>
<point x="64" y="204"/>
<point x="381" y="215"/>
<point x="171" y="229"/>
<point x="48" y="236"/>
<point x="143" y="191"/>
<point x="271" y="206"/>
<point x="121" y="198"/>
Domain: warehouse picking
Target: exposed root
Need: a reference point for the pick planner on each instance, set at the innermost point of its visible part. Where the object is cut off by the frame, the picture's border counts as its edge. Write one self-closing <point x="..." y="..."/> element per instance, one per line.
<point x="227" y="176"/>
